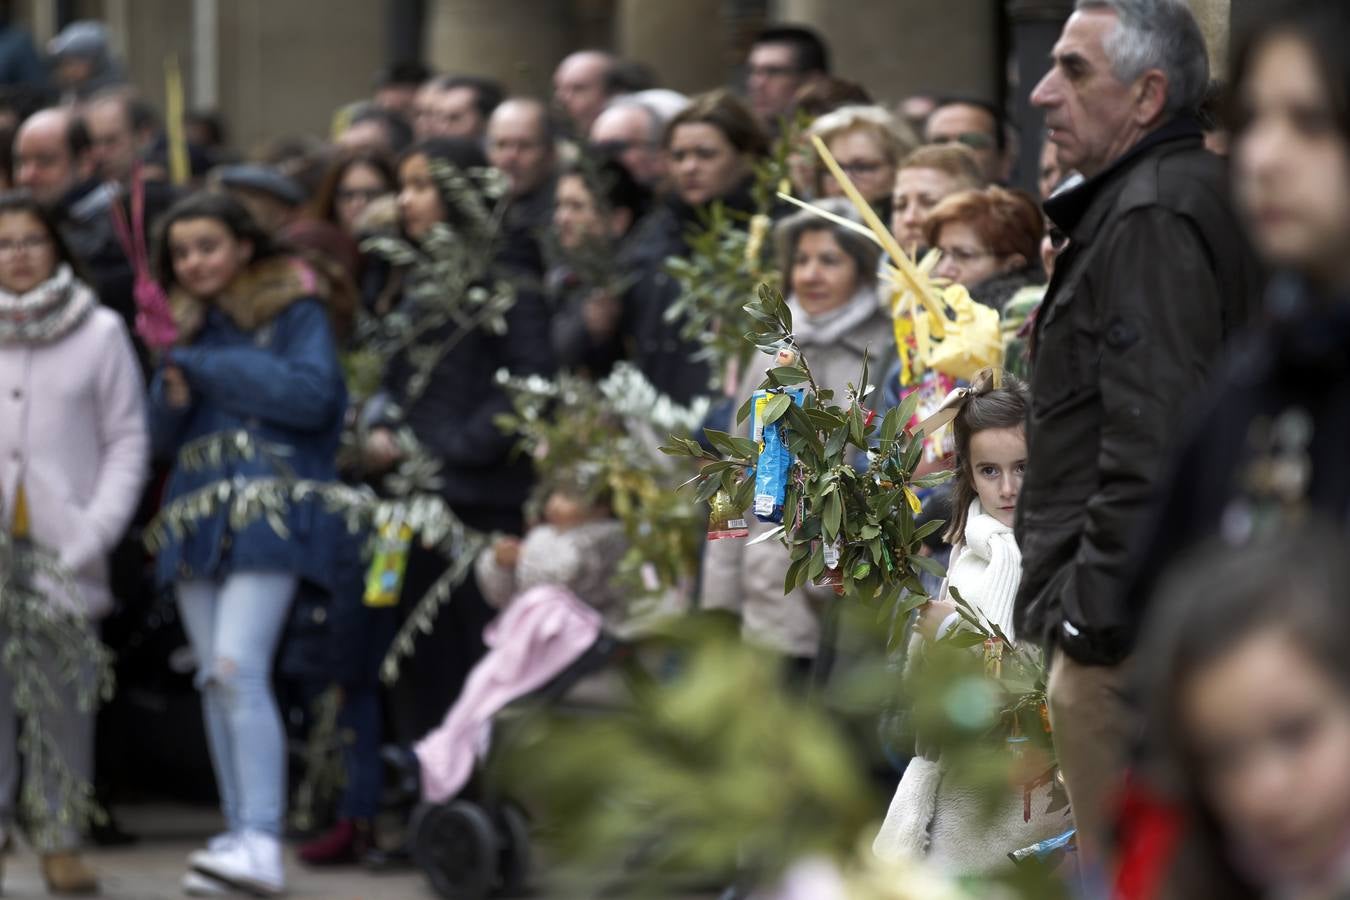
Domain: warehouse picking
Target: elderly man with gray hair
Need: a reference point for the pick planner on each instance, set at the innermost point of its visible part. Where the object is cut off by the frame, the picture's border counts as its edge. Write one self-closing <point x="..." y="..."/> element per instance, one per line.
<point x="1155" y="278"/>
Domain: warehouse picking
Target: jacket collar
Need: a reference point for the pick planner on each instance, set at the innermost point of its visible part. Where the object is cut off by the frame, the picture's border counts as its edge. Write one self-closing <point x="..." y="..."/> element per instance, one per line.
<point x="1078" y="211"/>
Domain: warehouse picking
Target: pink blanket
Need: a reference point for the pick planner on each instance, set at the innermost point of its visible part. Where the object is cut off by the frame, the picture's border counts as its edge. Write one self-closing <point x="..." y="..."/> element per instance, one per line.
<point x="540" y="634"/>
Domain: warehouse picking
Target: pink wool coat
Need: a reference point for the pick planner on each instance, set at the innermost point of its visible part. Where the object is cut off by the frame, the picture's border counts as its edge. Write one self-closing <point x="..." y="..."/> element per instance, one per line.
<point x="73" y="429"/>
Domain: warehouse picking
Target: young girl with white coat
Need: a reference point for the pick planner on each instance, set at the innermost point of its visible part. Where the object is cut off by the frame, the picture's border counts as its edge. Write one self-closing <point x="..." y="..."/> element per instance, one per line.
<point x="930" y="815"/>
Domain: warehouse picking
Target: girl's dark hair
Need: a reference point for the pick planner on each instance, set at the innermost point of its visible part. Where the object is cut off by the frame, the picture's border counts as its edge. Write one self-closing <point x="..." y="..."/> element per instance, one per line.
<point x="1216" y="597"/>
<point x="609" y="182"/>
<point x="728" y="114"/>
<point x="986" y="407"/>
<point x="22" y="201"/>
<point x="209" y="205"/>
<point x="325" y="199"/>
<point x="1324" y="27"/>
<point x="461" y="153"/>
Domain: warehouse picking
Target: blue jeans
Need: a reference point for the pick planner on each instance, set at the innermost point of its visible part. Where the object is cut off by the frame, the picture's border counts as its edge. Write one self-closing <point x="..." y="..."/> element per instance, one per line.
<point x="234" y="627"/>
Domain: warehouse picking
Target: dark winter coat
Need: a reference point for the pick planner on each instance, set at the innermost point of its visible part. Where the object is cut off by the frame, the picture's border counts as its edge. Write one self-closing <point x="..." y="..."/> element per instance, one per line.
<point x="1156" y="276"/>
<point x="273" y="373"/>
<point x="453" y="418"/>
<point x="1300" y="364"/>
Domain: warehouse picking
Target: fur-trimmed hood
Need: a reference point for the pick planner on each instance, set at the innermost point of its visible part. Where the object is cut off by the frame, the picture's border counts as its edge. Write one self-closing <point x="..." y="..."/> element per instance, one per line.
<point x="261" y="293"/>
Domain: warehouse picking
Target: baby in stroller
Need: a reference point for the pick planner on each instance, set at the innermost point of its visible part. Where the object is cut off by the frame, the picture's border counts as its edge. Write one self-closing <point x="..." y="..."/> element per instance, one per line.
<point x="558" y="603"/>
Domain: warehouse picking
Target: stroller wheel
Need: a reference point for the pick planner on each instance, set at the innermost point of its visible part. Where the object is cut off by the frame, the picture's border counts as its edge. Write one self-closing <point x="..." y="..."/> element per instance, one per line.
<point x="456" y="847"/>
<point x="515" y="855"/>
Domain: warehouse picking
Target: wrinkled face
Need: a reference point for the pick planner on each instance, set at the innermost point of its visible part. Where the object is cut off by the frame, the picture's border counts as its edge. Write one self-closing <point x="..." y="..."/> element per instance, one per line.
<point x="1291" y="163"/>
<point x="579" y="90"/>
<point x="772" y="80"/>
<point x="576" y="218"/>
<point x="917" y="191"/>
<point x="705" y="164"/>
<point x="998" y="460"/>
<point x="43" y="162"/>
<point x="206" y="256"/>
<point x="419" y="203"/>
<point x="1088" y="112"/>
<point x="971" y="126"/>
<point x="627" y="134"/>
<point x="967" y="259"/>
<point x="824" y="277"/>
<point x="1270" y="733"/>
<point x="27" y="255"/>
<point x="359" y="185"/>
<point x="864" y="162"/>
<point x="517" y="144"/>
<point x="112" y="140"/>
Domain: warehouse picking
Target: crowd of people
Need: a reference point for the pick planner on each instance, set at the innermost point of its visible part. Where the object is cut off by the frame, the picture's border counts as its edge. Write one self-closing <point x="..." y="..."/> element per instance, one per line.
<point x="1152" y="492"/>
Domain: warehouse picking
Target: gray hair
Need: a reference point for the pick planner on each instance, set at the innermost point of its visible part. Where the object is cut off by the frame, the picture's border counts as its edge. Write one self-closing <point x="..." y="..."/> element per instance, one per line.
<point x="656" y="123"/>
<point x="1158" y="34"/>
<point x="788" y="233"/>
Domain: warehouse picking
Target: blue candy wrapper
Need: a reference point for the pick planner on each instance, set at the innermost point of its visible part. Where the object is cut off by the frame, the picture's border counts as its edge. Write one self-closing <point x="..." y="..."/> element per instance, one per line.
<point x="775" y="459"/>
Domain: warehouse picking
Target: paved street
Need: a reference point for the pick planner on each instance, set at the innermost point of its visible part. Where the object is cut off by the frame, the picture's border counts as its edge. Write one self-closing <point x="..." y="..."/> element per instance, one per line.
<point x="152" y="868"/>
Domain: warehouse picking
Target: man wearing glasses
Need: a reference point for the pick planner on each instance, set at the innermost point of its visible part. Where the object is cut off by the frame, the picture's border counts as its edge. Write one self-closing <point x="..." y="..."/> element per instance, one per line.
<point x="979" y="126"/>
<point x="782" y="61"/>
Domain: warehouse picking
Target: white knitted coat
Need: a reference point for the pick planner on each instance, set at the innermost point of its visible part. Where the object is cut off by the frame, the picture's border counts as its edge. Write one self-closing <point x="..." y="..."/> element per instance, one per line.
<point x="929" y="815"/>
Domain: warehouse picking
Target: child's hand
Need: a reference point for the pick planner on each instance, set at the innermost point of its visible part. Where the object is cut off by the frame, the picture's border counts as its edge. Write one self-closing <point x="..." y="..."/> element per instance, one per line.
<point x="931" y="617"/>
<point x="176" y="391"/>
<point x="506" y="552"/>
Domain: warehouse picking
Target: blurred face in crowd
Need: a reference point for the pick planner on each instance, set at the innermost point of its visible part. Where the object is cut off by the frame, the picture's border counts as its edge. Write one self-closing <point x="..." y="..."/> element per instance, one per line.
<point x="452" y="113"/>
<point x="359" y="186"/>
<point x="368" y="135"/>
<point x="206" y="255"/>
<point x="398" y="98"/>
<point x="1291" y="163"/>
<point x="1091" y="116"/>
<point x="629" y="133"/>
<point x="27" y="254"/>
<point x="578" y="219"/>
<point x="114" y="142"/>
<point x="705" y="164"/>
<point x="917" y="191"/>
<point x="1269" y="731"/>
<point x="864" y="162"/>
<point x="419" y="203"/>
<point x="824" y="275"/>
<point x="998" y="460"/>
<point x="42" y="159"/>
<point x="518" y="144"/>
<point x="1048" y="173"/>
<point x="773" y="79"/>
<point x="964" y="123"/>
<point x="967" y="259"/>
<point x="579" y="88"/>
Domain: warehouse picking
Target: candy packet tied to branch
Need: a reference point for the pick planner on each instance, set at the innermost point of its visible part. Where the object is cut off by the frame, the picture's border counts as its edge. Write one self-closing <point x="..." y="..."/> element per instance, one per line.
<point x="775" y="458"/>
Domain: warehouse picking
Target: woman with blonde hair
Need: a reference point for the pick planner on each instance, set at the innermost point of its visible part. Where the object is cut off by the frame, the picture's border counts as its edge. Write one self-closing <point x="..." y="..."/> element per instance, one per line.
<point x="868" y="143"/>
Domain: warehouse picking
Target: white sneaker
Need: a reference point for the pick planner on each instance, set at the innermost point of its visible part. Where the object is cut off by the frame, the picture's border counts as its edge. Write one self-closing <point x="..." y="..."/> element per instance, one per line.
<point x="222" y="841"/>
<point x="195" y="884"/>
<point x="253" y="862"/>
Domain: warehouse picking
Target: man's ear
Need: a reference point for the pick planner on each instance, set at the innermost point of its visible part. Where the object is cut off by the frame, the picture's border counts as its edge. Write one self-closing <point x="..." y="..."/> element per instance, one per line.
<point x="1150" y="98"/>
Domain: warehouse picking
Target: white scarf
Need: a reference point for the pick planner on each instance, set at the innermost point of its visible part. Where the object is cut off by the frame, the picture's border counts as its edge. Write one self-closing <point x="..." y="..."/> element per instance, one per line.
<point x="47" y="312"/>
<point x="987" y="568"/>
<point x="828" y="327"/>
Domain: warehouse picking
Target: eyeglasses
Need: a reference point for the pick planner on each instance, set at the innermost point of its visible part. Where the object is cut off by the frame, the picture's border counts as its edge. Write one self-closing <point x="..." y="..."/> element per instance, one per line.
<point x="29" y="244"/>
<point x="366" y="195"/>
<point x="772" y="71"/>
<point x="961" y="256"/>
<point x="854" y="169"/>
<point x="1057" y="237"/>
<point x="975" y="140"/>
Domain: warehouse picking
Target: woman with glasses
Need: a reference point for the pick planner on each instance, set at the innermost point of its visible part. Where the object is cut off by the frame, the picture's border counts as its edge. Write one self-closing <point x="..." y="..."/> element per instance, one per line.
<point x="868" y="143"/>
<point x="73" y="453"/>
<point x="990" y="241"/>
